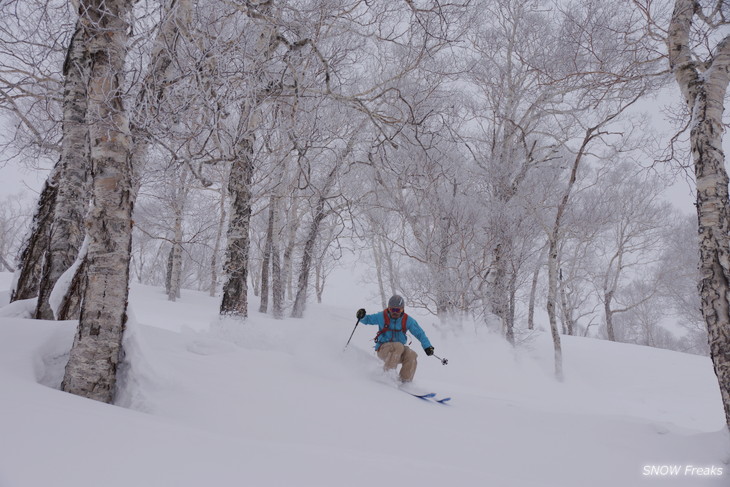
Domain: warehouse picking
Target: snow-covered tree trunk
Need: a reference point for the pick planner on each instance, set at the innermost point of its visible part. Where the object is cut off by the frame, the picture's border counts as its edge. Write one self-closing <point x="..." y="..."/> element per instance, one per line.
<point x="377" y="255"/>
<point x="704" y="87"/>
<point x="531" y="303"/>
<point x="300" y="301"/>
<point x="393" y="279"/>
<point x="180" y="193"/>
<point x="277" y="277"/>
<point x="68" y="306"/>
<point x="444" y="303"/>
<point x="553" y="246"/>
<point x="97" y="348"/>
<point x="607" y="299"/>
<point x="175" y="266"/>
<point x="255" y="279"/>
<point x="168" y="272"/>
<point x="500" y="289"/>
<point x="268" y="250"/>
<point x="217" y="244"/>
<point x="569" y="322"/>
<point x="512" y="290"/>
<point x="533" y="288"/>
<point x="235" y="299"/>
<point x="294" y="220"/>
<point x="235" y="288"/>
<point x="67" y="227"/>
<point x="319" y="280"/>
<point x="552" y="298"/>
<point x="31" y="257"/>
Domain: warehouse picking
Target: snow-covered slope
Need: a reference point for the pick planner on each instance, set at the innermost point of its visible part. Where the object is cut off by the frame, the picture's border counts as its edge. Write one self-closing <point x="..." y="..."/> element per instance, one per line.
<point x="278" y="403"/>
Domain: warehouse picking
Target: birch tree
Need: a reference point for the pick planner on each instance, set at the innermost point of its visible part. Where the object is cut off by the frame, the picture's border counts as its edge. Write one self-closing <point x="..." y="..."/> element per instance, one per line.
<point x="97" y="348"/>
<point x="593" y="134"/>
<point x="703" y="77"/>
<point x="66" y="230"/>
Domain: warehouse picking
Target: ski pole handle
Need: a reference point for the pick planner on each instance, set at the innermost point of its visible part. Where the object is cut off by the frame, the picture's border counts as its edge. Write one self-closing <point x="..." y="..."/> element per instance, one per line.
<point x="443" y="360"/>
<point x="353" y="332"/>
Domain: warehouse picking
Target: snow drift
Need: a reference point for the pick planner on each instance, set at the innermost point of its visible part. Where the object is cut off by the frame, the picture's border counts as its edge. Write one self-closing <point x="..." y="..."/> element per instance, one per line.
<point x="279" y="403"/>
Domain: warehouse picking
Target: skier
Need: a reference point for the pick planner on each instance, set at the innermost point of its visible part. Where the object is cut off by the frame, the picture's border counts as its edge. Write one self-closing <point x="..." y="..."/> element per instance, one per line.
<point x="390" y="341"/>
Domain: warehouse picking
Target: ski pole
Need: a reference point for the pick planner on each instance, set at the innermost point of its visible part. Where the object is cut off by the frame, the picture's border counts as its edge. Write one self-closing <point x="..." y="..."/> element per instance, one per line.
<point x="353" y="332"/>
<point x="443" y="360"/>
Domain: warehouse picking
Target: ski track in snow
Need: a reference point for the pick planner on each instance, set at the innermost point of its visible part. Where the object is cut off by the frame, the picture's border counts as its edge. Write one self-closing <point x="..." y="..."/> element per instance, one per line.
<point x="278" y="403"/>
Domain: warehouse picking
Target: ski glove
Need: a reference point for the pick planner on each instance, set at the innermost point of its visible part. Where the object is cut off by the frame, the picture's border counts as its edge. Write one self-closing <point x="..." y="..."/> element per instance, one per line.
<point x="360" y="314"/>
<point x="429" y="351"/>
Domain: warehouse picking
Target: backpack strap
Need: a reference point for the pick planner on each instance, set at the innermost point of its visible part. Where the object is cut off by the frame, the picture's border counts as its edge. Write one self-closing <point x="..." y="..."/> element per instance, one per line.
<point x="386" y="327"/>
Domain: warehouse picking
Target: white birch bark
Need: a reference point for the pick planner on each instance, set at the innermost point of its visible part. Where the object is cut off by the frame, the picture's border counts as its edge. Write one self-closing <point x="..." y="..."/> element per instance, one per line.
<point x="67" y="228"/>
<point x="552" y="299"/>
<point x="704" y="93"/>
<point x="271" y="276"/>
<point x="175" y="281"/>
<point x="533" y="288"/>
<point x="180" y="193"/>
<point x="97" y="348"/>
<point x="609" y="290"/>
<point x="553" y="241"/>
<point x="377" y="255"/>
<point x="217" y="244"/>
<point x="294" y="219"/>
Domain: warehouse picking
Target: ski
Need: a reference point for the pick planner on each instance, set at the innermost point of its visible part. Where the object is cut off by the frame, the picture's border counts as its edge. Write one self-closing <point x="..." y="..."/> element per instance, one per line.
<point x="428" y="396"/>
<point x="425" y="397"/>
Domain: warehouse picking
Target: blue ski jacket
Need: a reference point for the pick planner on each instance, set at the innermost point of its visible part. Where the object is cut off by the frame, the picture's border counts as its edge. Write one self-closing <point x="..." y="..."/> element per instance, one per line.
<point x="395" y="334"/>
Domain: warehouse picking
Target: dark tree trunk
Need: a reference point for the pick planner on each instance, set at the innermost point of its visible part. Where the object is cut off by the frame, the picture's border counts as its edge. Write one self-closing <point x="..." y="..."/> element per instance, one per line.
<point x="268" y="248"/>
<point x="277" y="278"/>
<point x="235" y="289"/>
<point x="32" y="256"/>
<point x="300" y="301"/>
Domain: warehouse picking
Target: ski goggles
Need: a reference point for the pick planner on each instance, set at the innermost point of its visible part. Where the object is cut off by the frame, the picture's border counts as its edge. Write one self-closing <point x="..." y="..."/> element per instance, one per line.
<point x="395" y="310"/>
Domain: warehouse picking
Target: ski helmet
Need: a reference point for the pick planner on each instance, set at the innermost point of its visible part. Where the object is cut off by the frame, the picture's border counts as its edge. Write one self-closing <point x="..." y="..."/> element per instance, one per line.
<point x="396" y="302"/>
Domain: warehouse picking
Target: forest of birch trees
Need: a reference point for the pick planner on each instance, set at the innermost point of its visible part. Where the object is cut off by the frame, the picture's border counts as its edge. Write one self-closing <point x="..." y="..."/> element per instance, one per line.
<point x="504" y="162"/>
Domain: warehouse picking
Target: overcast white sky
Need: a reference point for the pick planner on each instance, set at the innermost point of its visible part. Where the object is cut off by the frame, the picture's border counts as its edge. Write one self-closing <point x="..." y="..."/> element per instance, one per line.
<point x="15" y="179"/>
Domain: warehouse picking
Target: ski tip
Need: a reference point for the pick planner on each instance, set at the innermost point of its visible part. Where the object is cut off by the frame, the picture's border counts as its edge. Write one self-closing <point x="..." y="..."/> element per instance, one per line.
<point x="444" y="400"/>
<point x="426" y="396"/>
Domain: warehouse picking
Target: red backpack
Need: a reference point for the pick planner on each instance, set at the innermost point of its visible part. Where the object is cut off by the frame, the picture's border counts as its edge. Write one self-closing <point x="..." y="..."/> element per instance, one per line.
<point x="386" y="318"/>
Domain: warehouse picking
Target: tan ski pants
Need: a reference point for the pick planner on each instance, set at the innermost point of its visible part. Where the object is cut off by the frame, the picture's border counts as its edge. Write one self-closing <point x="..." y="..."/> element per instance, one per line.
<point x="394" y="353"/>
